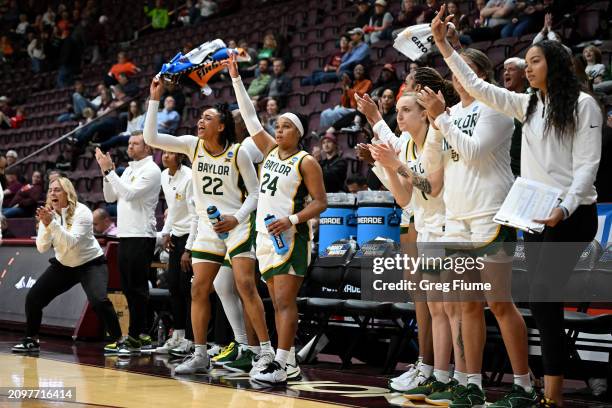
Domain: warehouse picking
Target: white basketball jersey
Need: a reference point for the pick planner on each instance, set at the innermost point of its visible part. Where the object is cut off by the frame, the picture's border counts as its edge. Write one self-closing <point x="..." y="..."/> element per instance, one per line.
<point x="282" y="191"/>
<point x="429" y="212"/>
<point x="217" y="180"/>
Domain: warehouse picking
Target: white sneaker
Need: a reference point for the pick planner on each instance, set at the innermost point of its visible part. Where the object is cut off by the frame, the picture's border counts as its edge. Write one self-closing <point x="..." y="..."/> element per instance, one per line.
<point x="195" y="363"/>
<point x="171" y="343"/>
<point x="183" y="349"/>
<point x="260" y="362"/>
<point x="293" y="371"/>
<point x="214" y="350"/>
<point x="408" y="383"/>
<point x="272" y="374"/>
<point x="412" y="371"/>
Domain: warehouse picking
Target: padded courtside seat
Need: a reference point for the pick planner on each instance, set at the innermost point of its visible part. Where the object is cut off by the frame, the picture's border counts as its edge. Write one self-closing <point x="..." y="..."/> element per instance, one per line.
<point x="368" y="307"/>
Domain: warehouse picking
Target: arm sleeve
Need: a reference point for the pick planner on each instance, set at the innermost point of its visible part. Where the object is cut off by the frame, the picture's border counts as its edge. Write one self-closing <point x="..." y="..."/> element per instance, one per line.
<point x="82" y="224"/>
<point x="247" y="170"/>
<point x="386" y="135"/>
<point x="167" y="229"/>
<point x="180" y="144"/>
<point x="487" y="135"/>
<point x="43" y="238"/>
<point x="194" y="223"/>
<point x="149" y="181"/>
<point x="249" y="115"/>
<point x="510" y="103"/>
<point x="586" y="153"/>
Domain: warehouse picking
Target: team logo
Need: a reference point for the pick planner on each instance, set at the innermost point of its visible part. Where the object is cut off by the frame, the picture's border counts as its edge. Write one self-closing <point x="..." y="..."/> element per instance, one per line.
<point x="294" y="160"/>
<point x="229" y="157"/>
<point x="178" y="196"/>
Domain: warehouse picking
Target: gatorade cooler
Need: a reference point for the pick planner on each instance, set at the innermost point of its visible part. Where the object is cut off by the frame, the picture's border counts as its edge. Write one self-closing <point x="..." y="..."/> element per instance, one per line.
<point x="338" y="221"/>
<point x="377" y="216"/>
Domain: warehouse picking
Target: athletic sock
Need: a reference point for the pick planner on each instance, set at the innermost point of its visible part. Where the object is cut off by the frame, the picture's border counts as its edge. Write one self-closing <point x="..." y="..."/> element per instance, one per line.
<point x="178" y="334"/>
<point x="461" y="378"/>
<point x="281" y="357"/>
<point x="291" y="359"/>
<point x="266" y="347"/>
<point x="475" y="379"/>
<point x="523" y="381"/>
<point x="241" y="338"/>
<point x="200" y="349"/>
<point x="441" y="375"/>
<point x="426" y="369"/>
<point x="255" y="349"/>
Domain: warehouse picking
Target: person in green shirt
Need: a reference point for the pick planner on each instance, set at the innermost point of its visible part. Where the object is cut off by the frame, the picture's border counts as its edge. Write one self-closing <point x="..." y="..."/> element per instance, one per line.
<point x="259" y="85"/>
<point x="159" y="15"/>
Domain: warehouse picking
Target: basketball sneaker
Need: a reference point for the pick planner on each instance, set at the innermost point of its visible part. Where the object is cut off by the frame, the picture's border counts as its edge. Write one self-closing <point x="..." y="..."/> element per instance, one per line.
<point x="128" y="346"/>
<point x="517" y="398"/>
<point x="171" y="343"/>
<point x="469" y="397"/>
<point x="244" y="364"/>
<point x="272" y="374"/>
<point x="146" y="343"/>
<point x="194" y="363"/>
<point x="294" y="372"/>
<point x="444" y="397"/>
<point x="214" y="350"/>
<point x="413" y="370"/>
<point x="260" y="362"/>
<point x="547" y="403"/>
<point x="229" y="353"/>
<point x="420" y="392"/>
<point x="27" y="345"/>
<point x="408" y="383"/>
<point x="184" y="349"/>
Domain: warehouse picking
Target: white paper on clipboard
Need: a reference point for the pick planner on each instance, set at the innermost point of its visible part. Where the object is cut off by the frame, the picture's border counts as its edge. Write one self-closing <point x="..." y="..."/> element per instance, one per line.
<point x="526" y="201"/>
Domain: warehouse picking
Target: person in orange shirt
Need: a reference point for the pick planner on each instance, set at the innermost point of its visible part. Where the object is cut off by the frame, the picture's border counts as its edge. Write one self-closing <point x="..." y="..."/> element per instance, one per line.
<point x="123" y="66"/>
<point x="360" y="85"/>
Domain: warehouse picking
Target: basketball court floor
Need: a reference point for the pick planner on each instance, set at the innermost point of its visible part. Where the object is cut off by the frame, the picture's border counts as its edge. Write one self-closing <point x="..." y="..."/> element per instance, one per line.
<point x="148" y="381"/>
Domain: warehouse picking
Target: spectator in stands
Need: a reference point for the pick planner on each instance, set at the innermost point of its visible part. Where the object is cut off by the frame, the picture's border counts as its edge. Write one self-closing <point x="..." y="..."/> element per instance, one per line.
<point x="5" y="106"/>
<point x="11" y="157"/>
<point x="159" y="15"/>
<point x="386" y="80"/>
<point x="25" y="201"/>
<point x="66" y="225"/>
<point x="547" y="33"/>
<point x="207" y="8"/>
<point x="64" y="24"/>
<point x="595" y="70"/>
<point x="6" y="49"/>
<point x="103" y="224"/>
<point x="334" y="166"/>
<point x="13" y="122"/>
<point x="379" y="26"/>
<point x="36" y="52"/>
<point x="356" y="183"/>
<point x="98" y="39"/>
<point x="135" y="123"/>
<point x="130" y="88"/>
<point x="364" y="12"/>
<point x="48" y="18"/>
<point x="269" y="117"/>
<point x="280" y="85"/>
<point x="359" y="52"/>
<point x="347" y="106"/>
<point x="410" y="14"/>
<point x="268" y="49"/>
<point x="168" y="119"/>
<point x="493" y="17"/>
<point x="177" y="93"/>
<point x="137" y="194"/>
<point x="23" y="25"/>
<point x="387" y="108"/>
<point x="526" y="18"/>
<point x="79" y="101"/>
<point x="122" y="66"/>
<point x="330" y="70"/>
<point x="259" y="85"/>
<point x="11" y="187"/>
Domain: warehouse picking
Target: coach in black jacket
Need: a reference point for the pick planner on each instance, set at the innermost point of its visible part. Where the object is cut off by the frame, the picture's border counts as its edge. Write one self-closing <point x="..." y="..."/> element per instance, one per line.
<point x="333" y="164"/>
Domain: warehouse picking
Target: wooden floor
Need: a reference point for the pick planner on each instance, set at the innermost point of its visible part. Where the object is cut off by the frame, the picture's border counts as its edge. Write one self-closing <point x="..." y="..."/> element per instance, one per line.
<point x="148" y="380"/>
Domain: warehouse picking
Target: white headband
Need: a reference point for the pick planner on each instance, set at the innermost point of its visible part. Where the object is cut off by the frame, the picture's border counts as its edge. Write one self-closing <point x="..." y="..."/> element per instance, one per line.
<point x="295" y="120"/>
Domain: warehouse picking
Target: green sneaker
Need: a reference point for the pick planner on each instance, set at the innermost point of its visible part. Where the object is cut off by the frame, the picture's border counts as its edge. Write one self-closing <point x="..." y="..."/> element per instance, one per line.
<point x="430" y="386"/>
<point x="468" y="397"/>
<point x="517" y="398"/>
<point x="112" y="348"/>
<point x="145" y="342"/>
<point x="243" y="364"/>
<point x="229" y="353"/>
<point x="445" y="397"/>
<point x="128" y="345"/>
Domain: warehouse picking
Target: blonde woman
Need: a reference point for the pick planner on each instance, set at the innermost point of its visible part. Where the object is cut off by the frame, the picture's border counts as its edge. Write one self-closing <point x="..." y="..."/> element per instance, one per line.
<point x="67" y="226"/>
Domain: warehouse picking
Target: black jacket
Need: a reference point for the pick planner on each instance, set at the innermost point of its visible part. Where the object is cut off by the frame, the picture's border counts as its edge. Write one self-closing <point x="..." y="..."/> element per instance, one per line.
<point x="334" y="173"/>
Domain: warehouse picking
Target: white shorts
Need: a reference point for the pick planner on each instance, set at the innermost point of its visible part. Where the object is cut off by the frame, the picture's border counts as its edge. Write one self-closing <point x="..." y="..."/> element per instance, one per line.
<point x="407" y="219"/>
<point x="430" y="245"/>
<point x="294" y="262"/>
<point x="208" y="247"/>
<point x="481" y="236"/>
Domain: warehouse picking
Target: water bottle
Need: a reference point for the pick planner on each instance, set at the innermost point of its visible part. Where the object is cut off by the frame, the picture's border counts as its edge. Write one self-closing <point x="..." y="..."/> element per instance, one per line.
<point x="161" y="332"/>
<point x="353" y="242"/>
<point x="215" y="216"/>
<point x="277" y="240"/>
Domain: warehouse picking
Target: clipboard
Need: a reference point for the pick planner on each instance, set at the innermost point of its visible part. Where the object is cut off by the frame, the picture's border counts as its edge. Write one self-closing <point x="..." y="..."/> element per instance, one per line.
<point x="528" y="200"/>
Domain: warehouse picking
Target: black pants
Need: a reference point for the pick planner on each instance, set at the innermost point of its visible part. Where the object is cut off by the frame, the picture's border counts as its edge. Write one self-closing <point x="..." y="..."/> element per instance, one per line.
<point x="550" y="267"/>
<point x="135" y="256"/>
<point x="57" y="279"/>
<point x="179" y="284"/>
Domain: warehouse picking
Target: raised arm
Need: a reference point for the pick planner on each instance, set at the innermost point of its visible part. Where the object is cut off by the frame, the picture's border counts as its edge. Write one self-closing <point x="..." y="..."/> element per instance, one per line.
<point x="510" y="103"/>
<point x="180" y="144"/>
<point x="263" y="140"/>
<point x="249" y="176"/>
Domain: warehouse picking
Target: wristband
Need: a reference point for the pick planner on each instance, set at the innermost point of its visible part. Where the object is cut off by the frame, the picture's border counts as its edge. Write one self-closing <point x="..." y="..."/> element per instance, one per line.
<point x="294" y="219"/>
